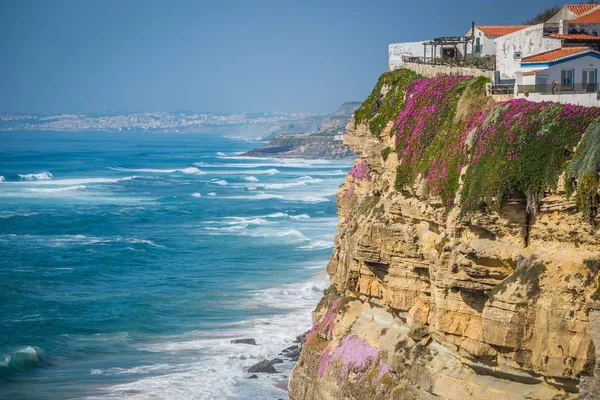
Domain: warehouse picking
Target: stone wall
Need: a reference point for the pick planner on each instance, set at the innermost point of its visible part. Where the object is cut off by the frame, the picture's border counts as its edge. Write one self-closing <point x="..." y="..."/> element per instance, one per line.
<point x="431" y="71"/>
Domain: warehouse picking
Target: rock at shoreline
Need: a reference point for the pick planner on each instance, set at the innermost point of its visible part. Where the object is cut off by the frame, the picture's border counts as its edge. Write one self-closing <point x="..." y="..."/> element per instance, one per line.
<point x="264" y="366"/>
<point x="244" y="341"/>
<point x="292" y="352"/>
<point x="300" y="339"/>
<point x="253" y="376"/>
<point x="276" y="361"/>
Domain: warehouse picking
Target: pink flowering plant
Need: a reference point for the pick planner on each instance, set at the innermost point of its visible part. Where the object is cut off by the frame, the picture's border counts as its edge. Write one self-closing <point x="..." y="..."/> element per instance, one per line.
<point x="349" y="192"/>
<point x="428" y="141"/>
<point x="522" y="147"/>
<point x="361" y="171"/>
<point x="355" y="355"/>
<point x="513" y="148"/>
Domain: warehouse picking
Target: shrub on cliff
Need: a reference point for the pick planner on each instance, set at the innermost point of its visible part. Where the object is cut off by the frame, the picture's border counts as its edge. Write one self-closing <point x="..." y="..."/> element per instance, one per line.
<point x="522" y="147"/>
<point x="377" y="110"/>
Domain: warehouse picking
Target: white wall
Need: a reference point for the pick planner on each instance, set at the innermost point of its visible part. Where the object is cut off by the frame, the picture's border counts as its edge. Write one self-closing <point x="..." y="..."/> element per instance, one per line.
<point x="488" y="44"/>
<point x="564" y="13"/>
<point x="529" y="41"/>
<point x="397" y="50"/>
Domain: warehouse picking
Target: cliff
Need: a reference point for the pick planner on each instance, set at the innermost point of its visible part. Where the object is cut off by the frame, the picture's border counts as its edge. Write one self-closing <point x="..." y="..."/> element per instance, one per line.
<point x="325" y="143"/>
<point x="466" y="259"/>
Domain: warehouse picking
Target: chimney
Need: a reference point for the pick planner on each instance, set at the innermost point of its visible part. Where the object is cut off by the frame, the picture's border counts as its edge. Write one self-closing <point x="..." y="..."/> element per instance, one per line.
<point x="563" y="27"/>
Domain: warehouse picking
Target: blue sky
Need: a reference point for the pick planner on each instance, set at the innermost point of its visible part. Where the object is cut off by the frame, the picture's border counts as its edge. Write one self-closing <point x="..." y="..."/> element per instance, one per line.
<point x="216" y="55"/>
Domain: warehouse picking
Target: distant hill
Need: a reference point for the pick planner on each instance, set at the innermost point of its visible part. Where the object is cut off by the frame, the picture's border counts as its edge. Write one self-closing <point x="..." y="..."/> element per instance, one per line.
<point x="325" y="143"/>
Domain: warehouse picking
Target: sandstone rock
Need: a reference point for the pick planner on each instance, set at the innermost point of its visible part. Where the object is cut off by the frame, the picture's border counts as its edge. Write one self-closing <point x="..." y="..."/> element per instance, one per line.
<point x="456" y="304"/>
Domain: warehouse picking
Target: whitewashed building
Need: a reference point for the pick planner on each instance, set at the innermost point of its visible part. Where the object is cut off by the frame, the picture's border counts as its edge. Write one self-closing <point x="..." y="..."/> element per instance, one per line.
<point x="575" y="25"/>
<point x="397" y="52"/>
<point x="485" y="35"/>
<point x="570" y="69"/>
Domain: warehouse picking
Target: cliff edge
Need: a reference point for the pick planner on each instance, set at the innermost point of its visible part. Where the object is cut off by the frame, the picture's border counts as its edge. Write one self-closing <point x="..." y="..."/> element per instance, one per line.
<point x="466" y="259"/>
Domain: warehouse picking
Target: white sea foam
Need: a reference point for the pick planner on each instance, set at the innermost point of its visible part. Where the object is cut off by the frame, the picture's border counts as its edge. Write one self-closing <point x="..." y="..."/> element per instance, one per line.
<point x="77" y="181"/>
<point x="192" y="170"/>
<point x="301" y="216"/>
<point x="219" y="182"/>
<point x="1" y="178"/>
<point x="83" y="240"/>
<point x="42" y="176"/>
<point x="56" y="190"/>
<point x="302" y="181"/>
<point x="212" y="194"/>
<point x="222" y="364"/>
<point x="318" y="245"/>
<point x="250" y="179"/>
<point x="188" y="170"/>
<point x="196" y="195"/>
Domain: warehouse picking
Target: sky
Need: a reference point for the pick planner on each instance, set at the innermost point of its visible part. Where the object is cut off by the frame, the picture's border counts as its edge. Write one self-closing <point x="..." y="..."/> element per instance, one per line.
<point x="208" y="56"/>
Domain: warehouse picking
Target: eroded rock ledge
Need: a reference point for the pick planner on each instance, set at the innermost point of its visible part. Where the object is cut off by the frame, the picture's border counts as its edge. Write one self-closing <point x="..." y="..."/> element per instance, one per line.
<point x="429" y="301"/>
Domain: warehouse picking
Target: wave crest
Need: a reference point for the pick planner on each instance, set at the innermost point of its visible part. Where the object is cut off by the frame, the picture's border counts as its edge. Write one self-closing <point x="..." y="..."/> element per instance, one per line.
<point x="42" y="176"/>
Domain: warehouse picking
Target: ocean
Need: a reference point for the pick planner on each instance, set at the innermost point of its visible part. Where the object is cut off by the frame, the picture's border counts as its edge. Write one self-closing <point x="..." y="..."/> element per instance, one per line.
<point x="129" y="261"/>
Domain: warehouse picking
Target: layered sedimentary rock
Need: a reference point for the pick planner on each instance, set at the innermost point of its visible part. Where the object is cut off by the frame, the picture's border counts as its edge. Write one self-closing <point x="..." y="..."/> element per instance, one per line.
<point x="438" y="296"/>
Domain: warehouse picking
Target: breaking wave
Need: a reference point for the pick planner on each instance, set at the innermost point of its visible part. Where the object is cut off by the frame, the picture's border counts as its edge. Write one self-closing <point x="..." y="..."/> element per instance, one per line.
<point x="42" y="176"/>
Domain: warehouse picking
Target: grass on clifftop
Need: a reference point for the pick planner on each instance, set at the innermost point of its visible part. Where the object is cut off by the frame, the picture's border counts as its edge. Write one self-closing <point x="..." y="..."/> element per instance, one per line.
<point x="378" y="110"/>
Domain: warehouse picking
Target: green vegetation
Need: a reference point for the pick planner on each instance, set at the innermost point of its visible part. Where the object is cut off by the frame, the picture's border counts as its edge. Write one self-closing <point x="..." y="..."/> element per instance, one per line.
<point x="386" y="153"/>
<point x="522" y="147"/>
<point x="543" y="16"/>
<point x="582" y="174"/>
<point x="378" y="110"/>
<point x="368" y="204"/>
<point x="515" y="148"/>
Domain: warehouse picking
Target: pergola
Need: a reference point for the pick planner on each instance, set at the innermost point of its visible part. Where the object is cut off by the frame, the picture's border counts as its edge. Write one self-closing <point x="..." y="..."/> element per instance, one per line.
<point x="446" y="42"/>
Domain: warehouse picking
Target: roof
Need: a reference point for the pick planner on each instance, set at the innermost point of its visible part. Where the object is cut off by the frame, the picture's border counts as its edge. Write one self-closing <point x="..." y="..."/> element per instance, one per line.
<point x="557" y="55"/>
<point x="590" y="17"/>
<point x="500" y="30"/>
<point x="535" y="71"/>
<point x="579" y="9"/>
<point x="580" y="36"/>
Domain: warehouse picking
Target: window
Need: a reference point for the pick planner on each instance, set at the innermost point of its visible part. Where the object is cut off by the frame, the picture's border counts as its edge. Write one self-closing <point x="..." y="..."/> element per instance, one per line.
<point x="517" y="55"/>
<point x="588" y="80"/>
<point x="566" y="79"/>
<point x="477" y="45"/>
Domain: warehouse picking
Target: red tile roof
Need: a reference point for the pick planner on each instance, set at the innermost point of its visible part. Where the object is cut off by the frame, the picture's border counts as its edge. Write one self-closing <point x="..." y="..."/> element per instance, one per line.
<point x="581" y="36"/>
<point x="500" y="30"/>
<point x="579" y="9"/>
<point x="535" y="71"/>
<point x="590" y="17"/>
<point x="556" y="55"/>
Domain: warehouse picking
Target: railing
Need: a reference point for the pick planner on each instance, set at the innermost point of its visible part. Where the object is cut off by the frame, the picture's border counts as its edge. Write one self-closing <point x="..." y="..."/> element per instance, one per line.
<point x="500" y="89"/>
<point x="559" y="89"/>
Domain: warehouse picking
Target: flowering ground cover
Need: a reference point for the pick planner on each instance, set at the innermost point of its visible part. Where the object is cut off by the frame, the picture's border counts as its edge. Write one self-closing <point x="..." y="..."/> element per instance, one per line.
<point x="511" y="148"/>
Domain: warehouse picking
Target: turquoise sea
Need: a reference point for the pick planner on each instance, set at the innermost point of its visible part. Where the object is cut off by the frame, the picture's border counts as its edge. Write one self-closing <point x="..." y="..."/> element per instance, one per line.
<point x="129" y="261"/>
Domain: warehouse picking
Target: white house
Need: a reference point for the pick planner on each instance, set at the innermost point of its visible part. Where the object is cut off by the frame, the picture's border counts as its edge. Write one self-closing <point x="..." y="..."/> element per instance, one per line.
<point x="570" y="69"/>
<point x="396" y="52"/>
<point x="574" y="25"/>
<point x="568" y="75"/>
<point x="511" y="48"/>
<point x="485" y="36"/>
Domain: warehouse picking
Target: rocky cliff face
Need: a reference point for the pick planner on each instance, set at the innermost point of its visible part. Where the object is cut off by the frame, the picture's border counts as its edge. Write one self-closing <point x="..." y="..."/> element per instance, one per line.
<point x="449" y="284"/>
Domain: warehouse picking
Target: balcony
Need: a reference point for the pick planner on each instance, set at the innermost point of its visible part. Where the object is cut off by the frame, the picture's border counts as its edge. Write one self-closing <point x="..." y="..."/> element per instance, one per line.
<point x="577" y="88"/>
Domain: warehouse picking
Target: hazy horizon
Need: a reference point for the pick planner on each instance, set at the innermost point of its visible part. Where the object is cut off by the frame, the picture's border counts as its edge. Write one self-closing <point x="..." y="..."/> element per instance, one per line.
<point x="232" y="56"/>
